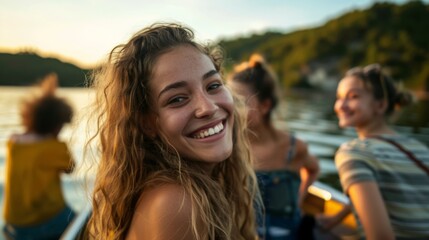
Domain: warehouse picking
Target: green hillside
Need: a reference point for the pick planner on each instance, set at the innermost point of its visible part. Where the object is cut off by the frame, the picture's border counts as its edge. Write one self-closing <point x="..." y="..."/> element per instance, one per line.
<point x="26" y="69"/>
<point x="396" y="36"/>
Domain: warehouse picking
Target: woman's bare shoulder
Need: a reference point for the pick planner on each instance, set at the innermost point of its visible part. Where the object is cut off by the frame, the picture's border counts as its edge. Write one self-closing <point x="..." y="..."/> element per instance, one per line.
<point x="300" y="145"/>
<point x="163" y="190"/>
<point x="162" y="212"/>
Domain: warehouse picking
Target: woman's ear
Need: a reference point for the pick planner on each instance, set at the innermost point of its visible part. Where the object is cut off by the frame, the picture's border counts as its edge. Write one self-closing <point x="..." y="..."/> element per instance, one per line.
<point x="265" y="106"/>
<point x="381" y="106"/>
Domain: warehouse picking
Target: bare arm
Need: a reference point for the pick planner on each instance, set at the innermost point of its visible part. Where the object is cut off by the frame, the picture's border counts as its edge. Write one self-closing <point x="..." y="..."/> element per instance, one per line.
<point x="162" y="214"/>
<point x="369" y="205"/>
<point x="308" y="172"/>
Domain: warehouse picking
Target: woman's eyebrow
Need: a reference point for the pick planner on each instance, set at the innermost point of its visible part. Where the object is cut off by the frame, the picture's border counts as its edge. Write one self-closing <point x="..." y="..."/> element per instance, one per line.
<point x="354" y="90"/>
<point x="209" y="74"/>
<point x="173" y="86"/>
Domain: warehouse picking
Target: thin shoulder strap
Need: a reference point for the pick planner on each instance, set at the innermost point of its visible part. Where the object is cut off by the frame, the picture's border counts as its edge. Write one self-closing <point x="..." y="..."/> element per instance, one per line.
<point x="408" y="153"/>
<point x="291" y="151"/>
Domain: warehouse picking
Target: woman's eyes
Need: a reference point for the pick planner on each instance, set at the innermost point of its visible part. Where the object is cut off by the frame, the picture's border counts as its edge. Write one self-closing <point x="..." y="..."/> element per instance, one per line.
<point x="353" y="96"/>
<point x="176" y="100"/>
<point x="181" y="99"/>
<point x="214" y="86"/>
<point x="348" y="96"/>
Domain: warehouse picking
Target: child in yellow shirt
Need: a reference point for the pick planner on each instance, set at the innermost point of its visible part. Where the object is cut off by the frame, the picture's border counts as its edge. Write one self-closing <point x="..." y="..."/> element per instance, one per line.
<point x="34" y="204"/>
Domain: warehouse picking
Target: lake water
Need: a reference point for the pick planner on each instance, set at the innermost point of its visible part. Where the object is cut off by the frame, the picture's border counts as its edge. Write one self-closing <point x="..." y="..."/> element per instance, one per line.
<point x="308" y="114"/>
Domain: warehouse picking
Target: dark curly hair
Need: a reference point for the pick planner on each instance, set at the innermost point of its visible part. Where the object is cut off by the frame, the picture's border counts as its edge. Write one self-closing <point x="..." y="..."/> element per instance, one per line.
<point x="45" y="113"/>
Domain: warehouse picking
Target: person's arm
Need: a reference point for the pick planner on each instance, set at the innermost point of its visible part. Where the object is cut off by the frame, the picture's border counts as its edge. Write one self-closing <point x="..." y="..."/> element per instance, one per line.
<point x="162" y="213"/>
<point x="308" y="172"/>
<point x="372" y="213"/>
<point x="69" y="163"/>
<point x="59" y="157"/>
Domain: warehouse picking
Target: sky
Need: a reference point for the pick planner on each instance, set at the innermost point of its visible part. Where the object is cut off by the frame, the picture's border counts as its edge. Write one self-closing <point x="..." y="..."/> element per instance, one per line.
<point x="84" y="31"/>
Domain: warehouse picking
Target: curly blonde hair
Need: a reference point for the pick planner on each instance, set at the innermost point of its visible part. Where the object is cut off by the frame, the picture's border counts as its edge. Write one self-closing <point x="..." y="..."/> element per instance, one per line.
<point x="132" y="161"/>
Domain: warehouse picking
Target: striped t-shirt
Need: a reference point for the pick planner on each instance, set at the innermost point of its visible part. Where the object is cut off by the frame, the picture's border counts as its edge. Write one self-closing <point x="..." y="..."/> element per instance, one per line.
<point x="403" y="185"/>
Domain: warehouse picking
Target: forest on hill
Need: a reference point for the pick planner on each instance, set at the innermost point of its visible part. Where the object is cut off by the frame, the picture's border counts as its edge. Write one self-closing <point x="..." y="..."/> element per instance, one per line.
<point x="27" y="68"/>
<point x="394" y="35"/>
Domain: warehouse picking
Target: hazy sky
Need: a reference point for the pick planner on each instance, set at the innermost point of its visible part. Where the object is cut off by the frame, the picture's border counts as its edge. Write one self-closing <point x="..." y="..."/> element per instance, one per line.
<point x="84" y="31"/>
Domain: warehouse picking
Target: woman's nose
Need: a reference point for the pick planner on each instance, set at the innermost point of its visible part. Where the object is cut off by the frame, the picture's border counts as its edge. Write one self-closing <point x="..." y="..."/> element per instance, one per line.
<point x="340" y="104"/>
<point x="205" y="105"/>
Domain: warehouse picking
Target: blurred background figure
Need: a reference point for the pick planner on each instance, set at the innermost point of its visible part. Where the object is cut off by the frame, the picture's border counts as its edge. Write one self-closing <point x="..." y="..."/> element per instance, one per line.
<point x="34" y="206"/>
<point x="384" y="173"/>
<point x="284" y="167"/>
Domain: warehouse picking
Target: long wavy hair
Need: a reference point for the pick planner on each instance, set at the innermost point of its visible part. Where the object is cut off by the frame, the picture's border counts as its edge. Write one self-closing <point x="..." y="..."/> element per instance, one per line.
<point x="131" y="161"/>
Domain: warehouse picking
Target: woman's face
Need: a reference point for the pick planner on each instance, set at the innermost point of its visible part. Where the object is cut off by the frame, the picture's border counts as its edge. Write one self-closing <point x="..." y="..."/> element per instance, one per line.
<point x="255" y="110"/>
<point x="193" y="108"/>
<point x="355" y="105"/>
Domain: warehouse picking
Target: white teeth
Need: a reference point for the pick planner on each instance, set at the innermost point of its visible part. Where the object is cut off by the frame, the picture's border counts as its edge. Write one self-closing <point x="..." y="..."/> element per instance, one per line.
<point x="208" y="132"/>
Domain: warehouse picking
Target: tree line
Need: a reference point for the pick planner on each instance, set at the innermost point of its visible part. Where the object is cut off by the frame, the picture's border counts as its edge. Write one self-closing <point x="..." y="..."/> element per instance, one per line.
<point x="394" y="35"/>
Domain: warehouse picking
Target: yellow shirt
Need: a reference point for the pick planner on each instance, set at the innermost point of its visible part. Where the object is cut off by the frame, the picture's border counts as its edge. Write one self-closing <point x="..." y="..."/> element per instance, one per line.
<point x="33" y="187"/>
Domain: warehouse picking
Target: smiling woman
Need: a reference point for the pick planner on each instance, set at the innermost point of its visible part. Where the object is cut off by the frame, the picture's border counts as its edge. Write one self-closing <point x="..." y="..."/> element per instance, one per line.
<point x="175" y="161"/>
<point x="191" y="102"/>
<point x="384" y="173"/>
